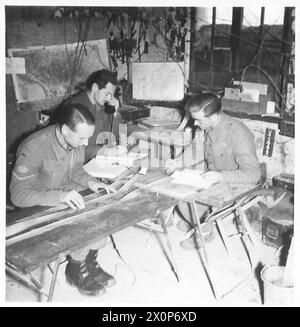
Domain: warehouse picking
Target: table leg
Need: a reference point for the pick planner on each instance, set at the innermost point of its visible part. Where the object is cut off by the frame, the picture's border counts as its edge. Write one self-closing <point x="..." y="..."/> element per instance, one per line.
<point x="162" y="221"/>
<point x="53" y="279"/>
<point x="29" y="281"/>
<point x="244" y="234"/>
<point x="204" y="259"/>
<point x="197" y="218"/>
<point x="221" y="232"/>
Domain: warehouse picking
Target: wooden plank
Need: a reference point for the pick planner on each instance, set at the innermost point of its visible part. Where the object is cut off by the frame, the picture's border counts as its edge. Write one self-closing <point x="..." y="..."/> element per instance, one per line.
<point x="175" y="190"/>
<point x="130" y="182"/>
<point x="223" y="194"/>
<point x="58" y="218"/>
<point x="41" y="249"/>
<point x="217" y="195"/>
<point x="55" y="213"/>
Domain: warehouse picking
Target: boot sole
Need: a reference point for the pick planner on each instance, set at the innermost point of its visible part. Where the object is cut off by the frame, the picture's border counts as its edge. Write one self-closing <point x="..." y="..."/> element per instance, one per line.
<point x="86" y="293"/>
<point x="110" y="283"/>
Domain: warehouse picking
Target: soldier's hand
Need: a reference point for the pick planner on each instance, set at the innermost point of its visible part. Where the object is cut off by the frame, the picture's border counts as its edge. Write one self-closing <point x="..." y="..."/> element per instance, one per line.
<point x="212" y="177"/>
<point x="73" y="199"/>
<point x="115" y="103"/>
<point x="170" y="166"/>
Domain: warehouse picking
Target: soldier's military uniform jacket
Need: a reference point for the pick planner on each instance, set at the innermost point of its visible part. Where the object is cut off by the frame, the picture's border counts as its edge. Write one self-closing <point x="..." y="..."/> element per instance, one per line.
<point x="230" y="148"/>
<point x="45" y="168"/>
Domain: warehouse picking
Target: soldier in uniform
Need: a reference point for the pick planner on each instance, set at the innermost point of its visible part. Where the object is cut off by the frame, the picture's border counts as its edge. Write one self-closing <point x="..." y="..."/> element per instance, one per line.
<point x="229" y="152"/>
<point x="100" y="89"/>
<point x="49" y="171"/>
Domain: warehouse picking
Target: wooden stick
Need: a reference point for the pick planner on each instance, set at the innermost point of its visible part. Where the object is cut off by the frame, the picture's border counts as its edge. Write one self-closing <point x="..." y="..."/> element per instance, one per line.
<point x="93" y="197"/>
<point x="157" y="182"/>
<point x="13" y="231"/>
<point x="52" y="214"/>
<point x="129" y="183"/>
<point x="25" y="279"/>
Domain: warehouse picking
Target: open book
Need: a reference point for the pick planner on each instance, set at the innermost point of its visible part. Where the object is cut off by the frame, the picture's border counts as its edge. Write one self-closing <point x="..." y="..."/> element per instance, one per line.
<point x="190" y="177"/>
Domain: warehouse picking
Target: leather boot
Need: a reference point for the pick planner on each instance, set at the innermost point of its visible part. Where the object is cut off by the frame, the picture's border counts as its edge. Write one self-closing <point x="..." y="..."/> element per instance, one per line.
<point x="77" y="275"/>
<point x="96" y="271"/>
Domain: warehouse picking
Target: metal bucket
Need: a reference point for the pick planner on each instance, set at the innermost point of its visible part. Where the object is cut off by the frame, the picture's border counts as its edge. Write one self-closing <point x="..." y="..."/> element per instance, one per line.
<point x="276" y="292"/>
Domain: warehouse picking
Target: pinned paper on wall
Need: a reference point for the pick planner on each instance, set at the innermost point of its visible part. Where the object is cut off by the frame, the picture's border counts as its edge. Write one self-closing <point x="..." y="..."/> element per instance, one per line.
<point x="160" y="81"/>
<point x="15" y="65"/>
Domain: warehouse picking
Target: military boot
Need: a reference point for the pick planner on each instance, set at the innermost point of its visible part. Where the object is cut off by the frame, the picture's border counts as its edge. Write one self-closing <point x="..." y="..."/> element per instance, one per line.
<point x="96" y="271"/>
<point x="78" y="275"/>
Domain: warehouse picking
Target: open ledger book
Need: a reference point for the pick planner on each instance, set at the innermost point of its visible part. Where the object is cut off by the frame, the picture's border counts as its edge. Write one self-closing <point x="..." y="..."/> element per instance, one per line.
<point x="190" y="177"/>
<point x="180" y="184"/>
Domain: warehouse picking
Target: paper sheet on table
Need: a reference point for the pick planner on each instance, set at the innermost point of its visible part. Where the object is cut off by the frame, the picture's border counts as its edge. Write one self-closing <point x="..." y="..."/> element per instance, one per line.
<point x="127" y="159"/>
<point x="190" y="177"/>
<point x="104" y="170"/>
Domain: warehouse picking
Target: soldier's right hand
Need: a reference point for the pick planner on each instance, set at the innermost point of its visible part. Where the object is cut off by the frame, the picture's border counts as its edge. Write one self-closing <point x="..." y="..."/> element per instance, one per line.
<point x="170" y="166"/>
<point x="73" y="199"/>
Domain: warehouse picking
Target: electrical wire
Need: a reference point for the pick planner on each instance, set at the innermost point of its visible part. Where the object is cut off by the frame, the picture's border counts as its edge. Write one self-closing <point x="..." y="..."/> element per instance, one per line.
<point x="217" y="66"/>
<point x="79" y="52"/>
<point x="65" y="41"/>
<point x="221" y="31"/>
<point x="243" y="70"/>
<point x="268" y="50"/>
<point x="269" y="78"/>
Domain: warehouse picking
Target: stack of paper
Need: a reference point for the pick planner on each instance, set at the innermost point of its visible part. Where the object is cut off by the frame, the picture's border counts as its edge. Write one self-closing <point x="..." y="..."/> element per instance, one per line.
<point x="127" y="159"/>
<point x="110" y="171"/>
<point x="190" y="177"/>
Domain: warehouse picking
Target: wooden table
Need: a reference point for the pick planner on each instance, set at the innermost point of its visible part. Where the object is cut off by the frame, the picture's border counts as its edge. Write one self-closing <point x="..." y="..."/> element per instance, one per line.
<point x="64" y="231"/>
<point x="224" y="199"/>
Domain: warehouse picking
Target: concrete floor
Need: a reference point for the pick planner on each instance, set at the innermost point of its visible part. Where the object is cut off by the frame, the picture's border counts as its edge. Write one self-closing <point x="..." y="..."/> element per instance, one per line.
<point x="145" y="276"/>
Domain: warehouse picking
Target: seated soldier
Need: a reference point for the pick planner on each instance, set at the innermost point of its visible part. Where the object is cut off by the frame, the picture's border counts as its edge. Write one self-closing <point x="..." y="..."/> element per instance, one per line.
<point x="229" y="155"/>
<point x="49" y="171"/>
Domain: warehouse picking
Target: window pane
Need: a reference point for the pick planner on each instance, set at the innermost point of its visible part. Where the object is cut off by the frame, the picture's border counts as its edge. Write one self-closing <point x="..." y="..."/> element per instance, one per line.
<point x="274" y="15"/>
<point x="223" y="27"/>
<point x="251" y="16"/>
<point x="224" y="15"/>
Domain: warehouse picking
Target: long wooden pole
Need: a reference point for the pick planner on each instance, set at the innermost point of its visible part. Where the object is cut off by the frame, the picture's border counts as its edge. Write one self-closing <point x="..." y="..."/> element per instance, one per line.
<point x="21" y="232"/>
<point x="51" y="216"/>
